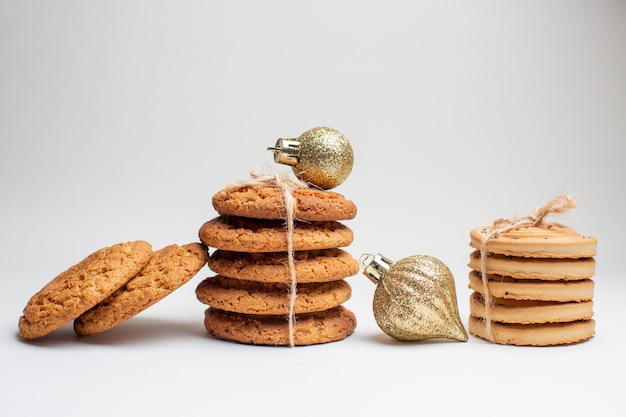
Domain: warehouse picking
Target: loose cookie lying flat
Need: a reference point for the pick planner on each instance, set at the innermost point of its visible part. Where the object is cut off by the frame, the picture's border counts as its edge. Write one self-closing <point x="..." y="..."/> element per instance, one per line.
<point x="314" y="328"/>
<point x="239" y="234"/>
<point x="249" y="297"/>
<point x="81" y="287"/>
<point x="310" y="266"/>
<point x="167" y="270"/>
<point x="266" y="202"/>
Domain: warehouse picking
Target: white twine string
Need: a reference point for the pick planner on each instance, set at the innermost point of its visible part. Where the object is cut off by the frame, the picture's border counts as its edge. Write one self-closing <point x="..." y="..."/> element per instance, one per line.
<point x="558" y="205"/>
<point x="287" y="186"/>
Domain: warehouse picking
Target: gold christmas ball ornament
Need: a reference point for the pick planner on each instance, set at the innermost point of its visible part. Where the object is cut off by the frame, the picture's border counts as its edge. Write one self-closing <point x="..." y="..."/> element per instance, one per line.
<point x="320" y="156"/>
<point x="415" y="298"/>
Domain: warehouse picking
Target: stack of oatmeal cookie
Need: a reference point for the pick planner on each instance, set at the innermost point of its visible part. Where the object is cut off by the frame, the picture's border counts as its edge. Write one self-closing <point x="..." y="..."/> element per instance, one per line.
<point x="250" y="297"/>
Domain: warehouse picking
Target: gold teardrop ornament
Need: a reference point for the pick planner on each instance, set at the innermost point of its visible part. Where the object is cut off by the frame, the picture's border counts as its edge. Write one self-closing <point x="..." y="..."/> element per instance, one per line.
<point x="415" y="298"/>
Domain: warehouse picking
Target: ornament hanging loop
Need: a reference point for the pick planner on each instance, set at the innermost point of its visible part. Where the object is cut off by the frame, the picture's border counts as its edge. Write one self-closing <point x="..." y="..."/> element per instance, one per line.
<point x="375" y="266"/>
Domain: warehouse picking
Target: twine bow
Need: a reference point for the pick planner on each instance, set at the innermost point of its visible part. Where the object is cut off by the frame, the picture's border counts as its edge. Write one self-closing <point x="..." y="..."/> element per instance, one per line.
<point x="287" y="186"/>
<point x="558" y="205"/>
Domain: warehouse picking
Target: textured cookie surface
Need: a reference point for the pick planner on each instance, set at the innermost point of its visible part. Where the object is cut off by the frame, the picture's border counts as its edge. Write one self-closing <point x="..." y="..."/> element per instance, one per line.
<point x="310" y="266"/>
<point x="548" y="334"/>
<point x="506" y="310"/>
<point x="313" y="328"/>
<point x="167" y="270"/>
<point x="535" y="268"/>
<point x="81" y="287"/>
<point x="552" y="241"/>
<point x="266" y="202"/>
<point x="251" y="297"/>
<point x="533" y="289"/>
<point x="257" y="235"/>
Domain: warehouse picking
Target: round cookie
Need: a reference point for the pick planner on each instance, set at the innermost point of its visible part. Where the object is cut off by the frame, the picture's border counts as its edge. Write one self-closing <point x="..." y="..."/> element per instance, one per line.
<point x="535" y="268"/>
<point x="506" y="310"/>
<point x="310" y="266"/>
<point x="249" y="297"/>
<point x="530" y="289"/>
<point x="549" y="334"/>
<point x="81" y="287"/>
<point x="258" y="235"/>
<point x="266" y="202"/>
<point x="313" y="328"/>
<point x="167" y="270"/>
<point x="552" y="241"/>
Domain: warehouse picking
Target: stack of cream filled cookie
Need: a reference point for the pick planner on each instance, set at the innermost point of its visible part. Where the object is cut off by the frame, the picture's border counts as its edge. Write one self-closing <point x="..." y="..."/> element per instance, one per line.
<point x="538" y="285"/>
<point x="251" y="298"/>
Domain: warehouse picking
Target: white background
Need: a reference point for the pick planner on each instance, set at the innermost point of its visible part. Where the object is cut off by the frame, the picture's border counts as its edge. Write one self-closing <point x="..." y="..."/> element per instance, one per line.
<point x="119" y="120"/>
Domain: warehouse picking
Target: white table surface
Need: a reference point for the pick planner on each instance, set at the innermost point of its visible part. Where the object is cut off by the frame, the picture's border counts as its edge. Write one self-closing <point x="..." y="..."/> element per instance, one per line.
<point x="120" y="120"/>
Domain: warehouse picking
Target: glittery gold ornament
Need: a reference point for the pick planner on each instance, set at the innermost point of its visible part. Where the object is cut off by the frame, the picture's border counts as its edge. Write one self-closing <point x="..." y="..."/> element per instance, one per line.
<point x="321" y="156"/>
<point x="415" y="298"/>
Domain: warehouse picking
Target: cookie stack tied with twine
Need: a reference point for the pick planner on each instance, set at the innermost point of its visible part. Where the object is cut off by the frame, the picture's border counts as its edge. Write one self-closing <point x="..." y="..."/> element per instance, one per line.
<point x="532" y="280"/>
<point x="279" y="262"/>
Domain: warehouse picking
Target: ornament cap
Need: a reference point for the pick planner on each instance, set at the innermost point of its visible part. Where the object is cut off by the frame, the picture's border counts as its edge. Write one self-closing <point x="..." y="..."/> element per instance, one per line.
<point x="375" y="266"/>
<point x="286" y="151"/>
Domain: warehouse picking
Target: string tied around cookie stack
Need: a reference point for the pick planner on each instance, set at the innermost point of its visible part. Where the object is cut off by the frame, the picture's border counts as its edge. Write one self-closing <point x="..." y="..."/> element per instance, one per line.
<point x="287" y="185"/>
<point x="557" y="205"/>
